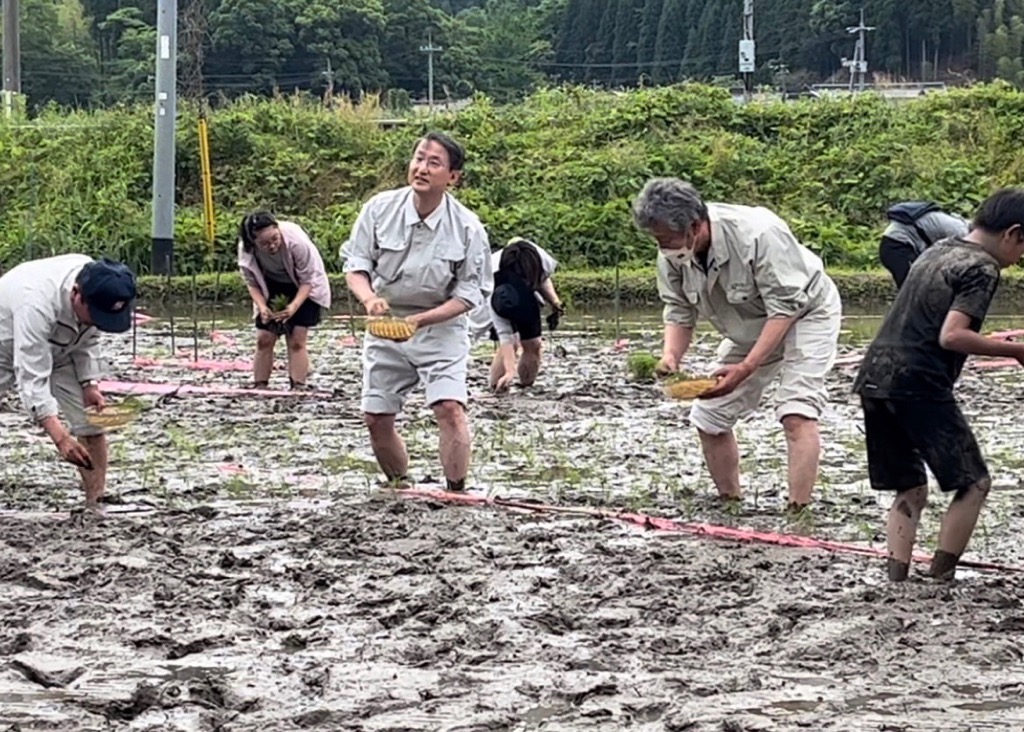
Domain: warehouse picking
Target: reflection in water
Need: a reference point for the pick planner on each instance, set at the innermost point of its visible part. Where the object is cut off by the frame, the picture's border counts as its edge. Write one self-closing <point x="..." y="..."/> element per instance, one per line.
<point x="859" y="323"/>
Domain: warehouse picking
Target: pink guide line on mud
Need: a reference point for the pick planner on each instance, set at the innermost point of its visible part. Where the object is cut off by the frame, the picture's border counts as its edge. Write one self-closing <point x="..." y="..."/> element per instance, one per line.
<point x="203" y="364"/>
<point x="663" y="524"/>
<point x="149" y="388"/>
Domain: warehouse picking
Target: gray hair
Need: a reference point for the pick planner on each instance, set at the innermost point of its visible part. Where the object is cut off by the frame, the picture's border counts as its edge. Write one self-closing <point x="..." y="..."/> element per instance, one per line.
<point x="669" y="201"/>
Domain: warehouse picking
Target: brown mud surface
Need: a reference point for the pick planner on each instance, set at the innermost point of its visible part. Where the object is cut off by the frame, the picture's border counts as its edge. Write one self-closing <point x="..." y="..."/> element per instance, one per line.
<point x="250" y="575"/>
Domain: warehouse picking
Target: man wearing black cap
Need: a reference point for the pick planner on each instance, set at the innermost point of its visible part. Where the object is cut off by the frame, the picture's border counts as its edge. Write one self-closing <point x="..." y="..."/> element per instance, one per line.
<point x="51" y="314"/>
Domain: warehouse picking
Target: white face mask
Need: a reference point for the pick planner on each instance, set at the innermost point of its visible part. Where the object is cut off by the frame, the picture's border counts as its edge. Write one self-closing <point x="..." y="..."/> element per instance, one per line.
<point x="679" y="256"/>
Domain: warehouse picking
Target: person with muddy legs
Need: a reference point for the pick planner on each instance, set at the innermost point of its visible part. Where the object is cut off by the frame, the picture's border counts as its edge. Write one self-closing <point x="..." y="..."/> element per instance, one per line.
<point x="512" y="316"/>
<point x="741" y="268"/>
<point x="288" y="285"/>
<point x="418" y="253"/>
<point x="905" y="382"/>
<point x="913" y="227"/>
<point x="51" y="314"/>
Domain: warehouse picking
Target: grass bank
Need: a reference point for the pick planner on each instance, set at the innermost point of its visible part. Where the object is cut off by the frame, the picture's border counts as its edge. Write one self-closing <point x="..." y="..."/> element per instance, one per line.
<point x="590" y="288"/>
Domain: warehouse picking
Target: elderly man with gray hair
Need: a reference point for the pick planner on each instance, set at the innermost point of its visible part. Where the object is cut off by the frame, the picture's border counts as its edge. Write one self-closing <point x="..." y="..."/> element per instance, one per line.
<point x="741" y="268"/>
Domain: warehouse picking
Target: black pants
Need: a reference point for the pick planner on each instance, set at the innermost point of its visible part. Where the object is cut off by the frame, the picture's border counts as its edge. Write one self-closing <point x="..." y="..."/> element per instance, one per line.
<point x="896" y="256"/>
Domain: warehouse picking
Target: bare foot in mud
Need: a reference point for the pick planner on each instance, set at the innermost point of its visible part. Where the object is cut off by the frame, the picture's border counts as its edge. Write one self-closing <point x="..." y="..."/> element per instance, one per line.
<point x="943" y="566"/>
<point x="89" y="514"/>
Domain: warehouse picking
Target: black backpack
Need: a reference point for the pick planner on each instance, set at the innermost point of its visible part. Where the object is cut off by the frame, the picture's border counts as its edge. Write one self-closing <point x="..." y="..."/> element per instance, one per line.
<point x="908" y="212"/>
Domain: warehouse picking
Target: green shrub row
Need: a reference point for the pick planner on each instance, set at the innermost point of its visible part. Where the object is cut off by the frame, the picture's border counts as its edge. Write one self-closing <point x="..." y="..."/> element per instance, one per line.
<point x="560" y="167"/>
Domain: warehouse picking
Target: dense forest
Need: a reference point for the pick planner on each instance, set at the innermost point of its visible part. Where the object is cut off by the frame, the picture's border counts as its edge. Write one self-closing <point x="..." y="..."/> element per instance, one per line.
<point x="100" y="52"/>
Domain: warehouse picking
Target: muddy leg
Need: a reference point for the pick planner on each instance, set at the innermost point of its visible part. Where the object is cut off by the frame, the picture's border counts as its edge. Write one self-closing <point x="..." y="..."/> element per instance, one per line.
<point x="529" y="362"/>
<point x="298" y="356"/>
<point x="455" y="442"/>
<point x="722" y="455"/>
<point x="94" y="481"/>
<point x="263" y="362"/>
<point x="803" y="445"/>
<point x="901" y="529"/>
<point x="388" y="447"/>
<point x="957" y="526"/>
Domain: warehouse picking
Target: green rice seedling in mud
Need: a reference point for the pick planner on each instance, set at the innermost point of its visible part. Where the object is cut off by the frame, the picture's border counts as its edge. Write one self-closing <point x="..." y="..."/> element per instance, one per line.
<point x="640" y="365"/>
<point x="348" y="464"/>
<point x="182" y="440"/>
<point x="239" y="488"/>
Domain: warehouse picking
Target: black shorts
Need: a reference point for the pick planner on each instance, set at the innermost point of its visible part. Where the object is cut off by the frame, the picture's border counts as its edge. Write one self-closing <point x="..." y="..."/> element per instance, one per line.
<point x="307" y="316"/>
<point x="903" y="436"/>
<point x="526" y="323"/>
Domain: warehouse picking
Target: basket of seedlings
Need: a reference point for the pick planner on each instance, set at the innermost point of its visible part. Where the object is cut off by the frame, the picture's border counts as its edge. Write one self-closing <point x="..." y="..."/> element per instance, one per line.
<point x="391" y="328"/>
<point x="685" y="387"/>
<point x="115" y="414"/>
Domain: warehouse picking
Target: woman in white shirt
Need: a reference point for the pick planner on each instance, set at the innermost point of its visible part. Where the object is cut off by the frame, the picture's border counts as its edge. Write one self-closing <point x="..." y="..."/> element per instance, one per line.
<point x="512" y="316"/>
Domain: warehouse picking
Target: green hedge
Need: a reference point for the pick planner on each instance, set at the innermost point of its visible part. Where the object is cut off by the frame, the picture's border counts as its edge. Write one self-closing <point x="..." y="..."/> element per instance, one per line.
<point x="592" y="288"/>
<point x="561" y="167"/>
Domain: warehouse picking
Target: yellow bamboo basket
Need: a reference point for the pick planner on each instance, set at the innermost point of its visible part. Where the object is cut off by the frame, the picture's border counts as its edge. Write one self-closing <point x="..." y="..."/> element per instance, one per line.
<point x="392" y="329"/>
<point x="687" y="388"/>
<point x="113" y="416"/>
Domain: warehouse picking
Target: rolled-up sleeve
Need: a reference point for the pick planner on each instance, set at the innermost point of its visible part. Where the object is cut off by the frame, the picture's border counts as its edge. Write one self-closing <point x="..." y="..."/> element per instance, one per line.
<point x="473" y="276"/>
<point x="33" y="360"/>
<point x="357" y="252"/>
<point x="783" y="274"/>
<point x="245" y="261"/>
<point x="677" y="309"/>
<point x="88" y="358"/>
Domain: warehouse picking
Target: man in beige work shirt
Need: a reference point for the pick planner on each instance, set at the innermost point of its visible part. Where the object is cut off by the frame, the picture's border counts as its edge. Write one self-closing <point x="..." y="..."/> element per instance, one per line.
<point x="51" y="314"/>
<point x="742" y="268"/>
<point x="418" y="253"/>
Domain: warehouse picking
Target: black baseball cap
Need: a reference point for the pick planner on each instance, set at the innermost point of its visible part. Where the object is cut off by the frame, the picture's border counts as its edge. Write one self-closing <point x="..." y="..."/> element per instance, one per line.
<point x="108" y="289"/>
<point x="512" y="300"/>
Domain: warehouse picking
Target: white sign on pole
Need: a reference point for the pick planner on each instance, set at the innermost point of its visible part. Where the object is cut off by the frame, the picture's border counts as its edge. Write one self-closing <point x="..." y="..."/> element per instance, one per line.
<point x="746" y="57"/>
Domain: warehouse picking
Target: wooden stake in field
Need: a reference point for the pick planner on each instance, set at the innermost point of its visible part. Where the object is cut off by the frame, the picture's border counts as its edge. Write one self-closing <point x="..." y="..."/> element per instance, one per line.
<point x="216" y="298"/>
<point x="195" y="320"/>
<point x="174" y="348"/>
<point x="351" y="314"/>
<point x="618" y="257"/>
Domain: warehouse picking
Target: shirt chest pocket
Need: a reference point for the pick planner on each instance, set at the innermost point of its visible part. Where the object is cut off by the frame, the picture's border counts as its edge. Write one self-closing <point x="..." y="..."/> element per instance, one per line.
<point x="438" y="274"/>
<point x="744" y="296"/>
<point x="389" y="261"/>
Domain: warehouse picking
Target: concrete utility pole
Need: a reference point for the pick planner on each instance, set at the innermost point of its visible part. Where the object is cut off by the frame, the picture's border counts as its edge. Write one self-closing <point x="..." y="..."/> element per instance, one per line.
<point x="747" y="53"/>
<point x="859" y="65"/>
<point x="329" y="75"/>
<point x="430" y="49"/>
<point x="12" y="55"/>
<point x="163" y="136"/>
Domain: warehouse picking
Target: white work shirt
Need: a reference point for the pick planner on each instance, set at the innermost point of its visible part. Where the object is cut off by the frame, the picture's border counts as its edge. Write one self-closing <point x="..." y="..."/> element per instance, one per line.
<point x="38" y="328"/>
<point x="483" y="317"/>
<point x="756" y="269"/>
<point x="415" y="264"/>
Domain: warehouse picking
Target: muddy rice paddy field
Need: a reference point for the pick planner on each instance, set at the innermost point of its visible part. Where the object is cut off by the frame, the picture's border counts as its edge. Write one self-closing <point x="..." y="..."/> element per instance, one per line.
<point x="250" y="574"/>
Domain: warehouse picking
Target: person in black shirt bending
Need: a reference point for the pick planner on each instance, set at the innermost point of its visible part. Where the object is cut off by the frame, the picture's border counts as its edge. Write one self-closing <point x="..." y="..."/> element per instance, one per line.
<point x="905" y="382"/>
